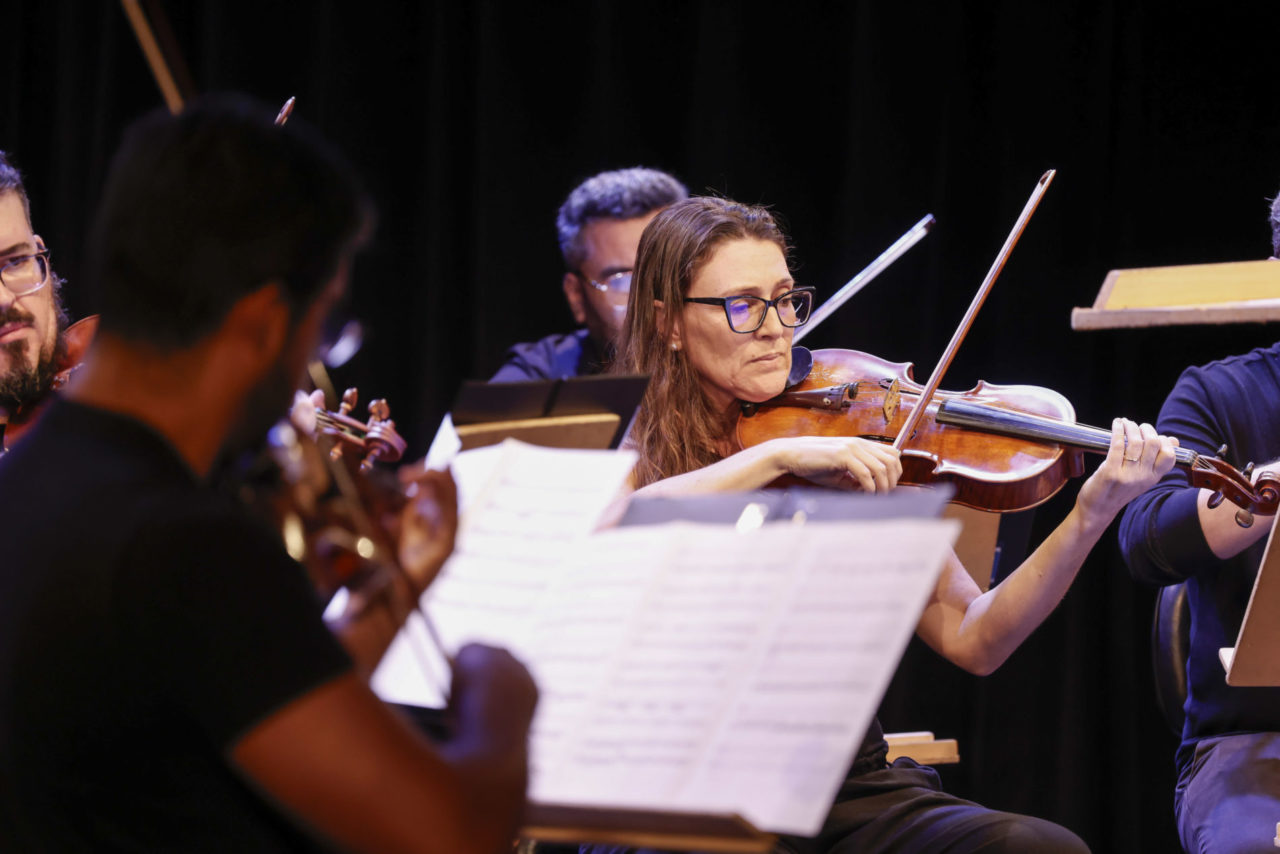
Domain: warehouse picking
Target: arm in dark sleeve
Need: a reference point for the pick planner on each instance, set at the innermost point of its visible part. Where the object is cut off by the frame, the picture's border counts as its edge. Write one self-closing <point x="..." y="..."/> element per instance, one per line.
<point x="1160" y="533"/>
<point x="228" y="628"/>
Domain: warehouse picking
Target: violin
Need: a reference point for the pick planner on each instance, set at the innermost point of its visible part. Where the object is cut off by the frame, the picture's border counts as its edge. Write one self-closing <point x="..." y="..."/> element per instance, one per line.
<point x="1002" y="448"/>
<point x="319" y="485"/>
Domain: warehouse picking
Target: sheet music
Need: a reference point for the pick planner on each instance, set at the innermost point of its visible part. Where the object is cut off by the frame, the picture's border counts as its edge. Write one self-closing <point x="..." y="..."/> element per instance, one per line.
<point x="523" y="507"/>
<point x="695" y="668"/>
<point x="681" y="667"/>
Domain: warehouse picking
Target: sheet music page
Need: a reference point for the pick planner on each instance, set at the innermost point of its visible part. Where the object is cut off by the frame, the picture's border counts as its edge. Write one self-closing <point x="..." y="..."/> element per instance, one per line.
<point x="523" y="507"/>
<point x="681" y="667"/>
<point x="695" y="668"/>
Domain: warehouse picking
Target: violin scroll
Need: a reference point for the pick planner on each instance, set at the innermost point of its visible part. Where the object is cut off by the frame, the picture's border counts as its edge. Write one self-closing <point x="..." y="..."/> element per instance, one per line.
<point x="331" y="505"/>
<point x="376" y="438"/>
<point x="1251" y="496"/>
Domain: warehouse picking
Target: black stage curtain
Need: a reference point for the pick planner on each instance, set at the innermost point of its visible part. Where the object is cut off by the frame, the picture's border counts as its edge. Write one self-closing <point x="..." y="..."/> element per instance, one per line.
<point x="471" y="120"/>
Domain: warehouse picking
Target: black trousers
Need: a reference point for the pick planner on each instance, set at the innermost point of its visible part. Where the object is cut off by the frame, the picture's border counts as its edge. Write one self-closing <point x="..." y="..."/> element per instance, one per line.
<point x="1228" y="797"/>
<point x="903" y="810"/>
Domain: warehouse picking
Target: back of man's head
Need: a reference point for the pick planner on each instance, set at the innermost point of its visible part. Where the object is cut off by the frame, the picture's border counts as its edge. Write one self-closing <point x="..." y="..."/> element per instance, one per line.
<point x="1275" y="226"/>
<point x="11" y="182"/>
<point x="620" y="194"/>
<point x="203" y="208"/>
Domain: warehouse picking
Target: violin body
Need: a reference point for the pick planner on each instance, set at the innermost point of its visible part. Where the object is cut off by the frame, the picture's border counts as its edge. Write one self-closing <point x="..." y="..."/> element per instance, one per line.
<point x="851" y="393"/>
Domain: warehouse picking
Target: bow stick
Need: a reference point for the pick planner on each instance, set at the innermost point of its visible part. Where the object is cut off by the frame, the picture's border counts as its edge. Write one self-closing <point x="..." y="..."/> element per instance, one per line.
<point x="913" y="236"/>
<point x="154" y="53"/>
<point x="979" y="298"/>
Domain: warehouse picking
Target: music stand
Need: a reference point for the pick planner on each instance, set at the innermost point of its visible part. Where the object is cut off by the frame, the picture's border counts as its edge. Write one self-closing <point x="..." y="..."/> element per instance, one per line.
<point x="1254" y="661"/>
<point x="578" y="412"/>
<point x="1235" y="292"/>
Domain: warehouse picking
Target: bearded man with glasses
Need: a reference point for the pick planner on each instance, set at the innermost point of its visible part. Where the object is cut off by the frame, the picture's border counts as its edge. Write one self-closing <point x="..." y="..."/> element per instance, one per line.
<point x="599" y="228"/>
<point x="31" y="315"/>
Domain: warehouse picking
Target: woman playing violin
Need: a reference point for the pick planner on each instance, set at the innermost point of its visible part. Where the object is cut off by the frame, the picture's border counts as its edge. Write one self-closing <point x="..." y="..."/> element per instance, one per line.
<point x="712" y="311"/>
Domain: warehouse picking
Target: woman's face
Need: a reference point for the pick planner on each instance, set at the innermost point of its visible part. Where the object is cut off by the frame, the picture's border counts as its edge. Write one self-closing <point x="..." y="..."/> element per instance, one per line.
<point x="732" y="365"/>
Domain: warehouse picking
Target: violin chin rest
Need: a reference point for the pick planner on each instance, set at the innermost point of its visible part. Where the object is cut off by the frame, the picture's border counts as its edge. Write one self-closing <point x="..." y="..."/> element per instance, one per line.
<point x="801" y="364"/>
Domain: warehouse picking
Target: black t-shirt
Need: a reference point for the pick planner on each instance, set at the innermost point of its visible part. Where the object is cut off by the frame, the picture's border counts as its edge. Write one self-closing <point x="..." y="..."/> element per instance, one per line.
<point x="146" y="624"/>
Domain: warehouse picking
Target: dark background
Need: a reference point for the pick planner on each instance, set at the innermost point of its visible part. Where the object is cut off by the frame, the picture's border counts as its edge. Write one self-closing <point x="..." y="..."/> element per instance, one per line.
<point x="471" y="120"/>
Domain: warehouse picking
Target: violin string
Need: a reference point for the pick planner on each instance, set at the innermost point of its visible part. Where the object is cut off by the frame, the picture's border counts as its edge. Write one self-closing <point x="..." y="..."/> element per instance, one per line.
<point x="1042" y="427"/>
<point x="422" y="650"/>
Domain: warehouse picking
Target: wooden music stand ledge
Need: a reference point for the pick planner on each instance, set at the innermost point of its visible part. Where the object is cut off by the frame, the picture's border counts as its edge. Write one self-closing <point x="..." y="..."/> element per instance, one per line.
<point x="644" y="829"/>
<point x="923" y="748"/>
<point x="1235" y="292"/>
<point x="578" y="412"/>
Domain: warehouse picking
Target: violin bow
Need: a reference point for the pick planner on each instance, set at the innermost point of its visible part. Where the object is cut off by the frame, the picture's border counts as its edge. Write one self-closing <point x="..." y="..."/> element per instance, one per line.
<point x="979" y="298"/>
<point x="285" y="112"/>
<point x="172" y="85"/>
<point x="895" y="251"/>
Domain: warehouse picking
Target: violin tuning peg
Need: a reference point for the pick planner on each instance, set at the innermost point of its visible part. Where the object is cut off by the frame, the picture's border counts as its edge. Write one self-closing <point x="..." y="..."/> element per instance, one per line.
<point x="335" y="453"/>
<point x="349" y="399"/>
<point x="1248" y="471"/>
<point x="1215" y="499"/>
<point x="1244" y="518"/>
<point x="379" y="410"/>
<point x="1222" y="452"/>
<point x="377" y="450"/>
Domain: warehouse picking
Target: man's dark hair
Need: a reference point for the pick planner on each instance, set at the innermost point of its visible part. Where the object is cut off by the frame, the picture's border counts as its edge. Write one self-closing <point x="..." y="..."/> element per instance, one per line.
<point x="620" y="194"/>
<point x="11" y="182"/>
<point x="1275" y="226"/>
<point x="203" y="208"/>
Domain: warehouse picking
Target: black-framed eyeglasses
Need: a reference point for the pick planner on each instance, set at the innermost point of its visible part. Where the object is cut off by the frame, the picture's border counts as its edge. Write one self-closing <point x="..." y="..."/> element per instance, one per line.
<point x="746" y="313"/>
<point x="617" y="284"/>
<point x="25" y="274"/>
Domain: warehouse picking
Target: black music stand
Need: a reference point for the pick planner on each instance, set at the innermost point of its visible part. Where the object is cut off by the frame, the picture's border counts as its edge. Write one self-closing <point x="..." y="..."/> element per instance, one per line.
<point x="578" y="412"/>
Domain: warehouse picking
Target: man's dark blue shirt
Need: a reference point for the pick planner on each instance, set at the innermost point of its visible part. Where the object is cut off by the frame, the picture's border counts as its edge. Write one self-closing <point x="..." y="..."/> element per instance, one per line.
<point x="555" y="357"/>
<point x="1236" y="402"/>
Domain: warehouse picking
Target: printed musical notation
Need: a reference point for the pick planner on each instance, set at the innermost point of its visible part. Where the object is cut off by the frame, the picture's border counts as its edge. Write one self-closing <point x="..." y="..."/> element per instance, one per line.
<point x="685" y="667"/>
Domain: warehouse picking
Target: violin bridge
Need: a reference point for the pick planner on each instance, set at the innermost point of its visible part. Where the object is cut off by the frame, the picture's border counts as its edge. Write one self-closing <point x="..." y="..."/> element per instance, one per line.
<point x="892" y="399"/>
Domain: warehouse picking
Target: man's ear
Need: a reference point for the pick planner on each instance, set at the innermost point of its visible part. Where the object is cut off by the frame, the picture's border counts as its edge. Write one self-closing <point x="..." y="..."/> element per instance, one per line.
<point x="576" y="299"/>
<point x="667" y="328"/>
<point x="258" y="323"/>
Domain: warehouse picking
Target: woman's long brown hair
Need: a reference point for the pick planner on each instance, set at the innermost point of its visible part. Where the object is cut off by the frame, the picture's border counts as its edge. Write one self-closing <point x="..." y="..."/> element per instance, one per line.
<point x="677" y="430"/>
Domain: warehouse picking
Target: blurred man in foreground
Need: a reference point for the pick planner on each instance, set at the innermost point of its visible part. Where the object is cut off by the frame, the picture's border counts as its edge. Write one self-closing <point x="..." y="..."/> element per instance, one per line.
<point x="166" y="681"/>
